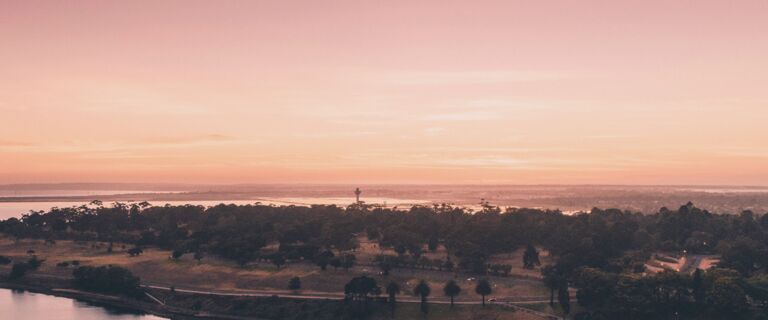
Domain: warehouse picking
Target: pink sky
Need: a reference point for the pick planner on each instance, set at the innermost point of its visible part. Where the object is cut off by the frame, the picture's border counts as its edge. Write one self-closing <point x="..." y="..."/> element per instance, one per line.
<point x="636" y="92"/>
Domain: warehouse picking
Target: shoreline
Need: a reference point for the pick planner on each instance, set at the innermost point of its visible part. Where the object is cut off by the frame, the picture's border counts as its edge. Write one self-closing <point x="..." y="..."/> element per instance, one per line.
<point x="58" y="288"/>
<point x="97" y="299"/>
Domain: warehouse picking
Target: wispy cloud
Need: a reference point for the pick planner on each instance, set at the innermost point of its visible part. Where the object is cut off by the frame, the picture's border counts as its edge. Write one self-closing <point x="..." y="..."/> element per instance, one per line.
<point x="143" y="108"/>
<point x="189" y="140"/>
<point x="118" y="146"/>
<point x="434" y="131"/>
<point x="14" y="144"/>
<point x="469" y="115"/>
<point x="472" y="77"/>
<point x="342" y="134"/>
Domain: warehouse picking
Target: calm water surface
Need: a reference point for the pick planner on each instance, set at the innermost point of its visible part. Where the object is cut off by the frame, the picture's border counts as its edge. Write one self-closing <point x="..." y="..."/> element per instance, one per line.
<point x="21" y="305"/>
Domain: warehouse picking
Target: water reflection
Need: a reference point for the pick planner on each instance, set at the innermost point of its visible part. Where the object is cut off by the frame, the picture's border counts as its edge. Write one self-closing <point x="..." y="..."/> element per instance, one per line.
<point x="17" y="304"/>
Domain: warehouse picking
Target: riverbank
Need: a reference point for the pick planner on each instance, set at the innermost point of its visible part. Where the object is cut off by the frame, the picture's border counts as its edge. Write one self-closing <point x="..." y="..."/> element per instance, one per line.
<point x="180" y="305"/>
<point x="156" y="308"/>
<point x="35" y="285"/>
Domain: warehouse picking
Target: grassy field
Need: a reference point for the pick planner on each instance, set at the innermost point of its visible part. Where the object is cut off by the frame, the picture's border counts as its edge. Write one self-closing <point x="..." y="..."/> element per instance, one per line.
<point x="155" y="267"/>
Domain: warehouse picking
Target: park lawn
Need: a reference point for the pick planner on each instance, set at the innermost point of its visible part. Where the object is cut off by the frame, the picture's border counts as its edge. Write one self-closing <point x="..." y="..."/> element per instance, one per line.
<point x="154" y="266"/>
<point x="515" y="259"/>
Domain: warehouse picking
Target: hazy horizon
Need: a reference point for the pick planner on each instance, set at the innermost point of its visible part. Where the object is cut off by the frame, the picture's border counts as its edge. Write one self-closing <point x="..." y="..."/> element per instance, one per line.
<point x="358" y="92"/>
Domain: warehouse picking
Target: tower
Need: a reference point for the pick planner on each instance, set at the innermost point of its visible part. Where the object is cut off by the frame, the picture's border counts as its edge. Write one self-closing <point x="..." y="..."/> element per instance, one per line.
<point x="357" y="195"/>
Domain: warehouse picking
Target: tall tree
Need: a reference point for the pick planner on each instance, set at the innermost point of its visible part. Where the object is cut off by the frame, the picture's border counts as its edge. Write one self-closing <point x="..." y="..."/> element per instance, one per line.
<point x="278" y="260"/>
<point x="483" y="288"/>
<point x="393" y="290"/>
<point x="530" y="257"/>
<point x="552" y="280"/>
<point x="564" y="298"/>
<point x="452" y="290"/>
<point x="422" y="290"/>
<point x="294" y="283"/>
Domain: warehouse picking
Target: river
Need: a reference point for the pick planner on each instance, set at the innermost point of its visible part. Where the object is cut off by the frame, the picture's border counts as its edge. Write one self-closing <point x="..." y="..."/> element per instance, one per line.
<point x="16" y="304"/>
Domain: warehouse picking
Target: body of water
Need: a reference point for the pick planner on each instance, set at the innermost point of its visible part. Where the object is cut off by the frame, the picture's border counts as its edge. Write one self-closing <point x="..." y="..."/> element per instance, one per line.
<point x="16" y="304"/>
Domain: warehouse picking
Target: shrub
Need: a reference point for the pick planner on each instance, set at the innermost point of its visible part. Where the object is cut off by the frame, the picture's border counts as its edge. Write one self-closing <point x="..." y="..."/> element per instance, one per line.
<point x="18" y="270"/>
<point x="294" y="284"/>
<point x="109" y="279"/>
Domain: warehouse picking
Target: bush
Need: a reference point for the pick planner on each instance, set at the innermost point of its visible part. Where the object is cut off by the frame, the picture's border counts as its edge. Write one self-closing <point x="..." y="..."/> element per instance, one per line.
<point x="5" y="260"/>
<point x="18" y="270"/>
<point x="34" y="263"/>
<point x="294" y="284"/>
<point x="135" y="251"/>
<point x="109" y="279"/>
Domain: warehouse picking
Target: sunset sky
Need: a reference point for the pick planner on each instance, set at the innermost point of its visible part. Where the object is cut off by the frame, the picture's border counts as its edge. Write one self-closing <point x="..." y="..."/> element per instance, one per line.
<point x="524" y="92"/>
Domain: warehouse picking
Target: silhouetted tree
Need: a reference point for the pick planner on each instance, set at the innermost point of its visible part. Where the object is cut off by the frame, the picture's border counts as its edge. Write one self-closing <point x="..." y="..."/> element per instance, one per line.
<point x="483" y="288"/>
<point x="135" y="251"/>
<point x="278" y="260"/>
<point x="422" y="290"/>
<point x="564" y="298"/>
<point x="294" y="283"/>
<point x="530" y="257"/>
<point x="392" y="290"/>
<point x="552" y="280"/>
<point x="452" y="290"/>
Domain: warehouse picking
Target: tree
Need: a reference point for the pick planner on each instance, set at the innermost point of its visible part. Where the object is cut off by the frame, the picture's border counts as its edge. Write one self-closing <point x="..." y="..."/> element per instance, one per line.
<point x="34" y="263"/>
<point x="109" y="280"/>
<point x="135" y="251"/>
<point x="552" y="279"/>
<point x="422" y="290"/>
<point x="393" y="290"/>
<point x="697" y="284"/>
<point x="198" y="256"/>
<point x="385" y="263"/>
<point x="452" y="290"/>
<point x="335" y="263"/>
<point x="596" y="287"/>
<point x="432" y="244"/>
<point x="347" y="261"/>
<point x="323" y="258"/>
<point x="294" y="283"/>
<point x="483" y="288"/>
<point x="564" y="298"/>
<point x="278" y="260"/>
<point x="530" y="257"/>
<point x="726" y="297"/>
<point x="176" y="254"/>
<point x="18" y="270"/>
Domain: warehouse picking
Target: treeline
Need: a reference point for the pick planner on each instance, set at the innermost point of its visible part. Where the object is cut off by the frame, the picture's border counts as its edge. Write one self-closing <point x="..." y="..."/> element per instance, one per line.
<point x="611" y="241"/>
<point x="714" y="294"/>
